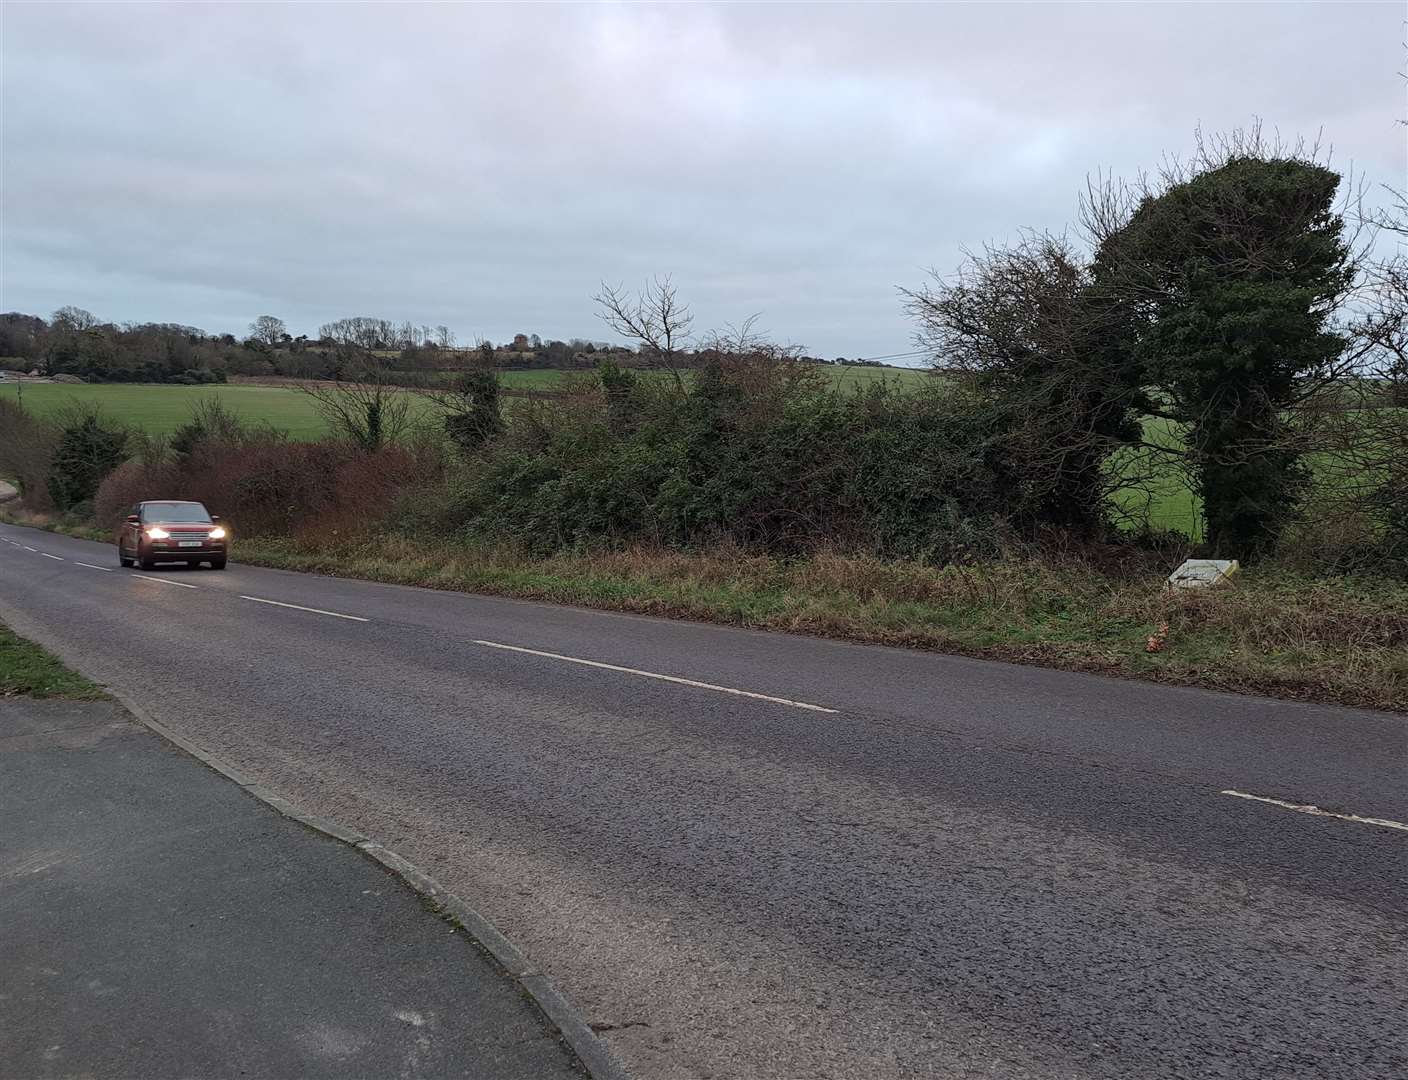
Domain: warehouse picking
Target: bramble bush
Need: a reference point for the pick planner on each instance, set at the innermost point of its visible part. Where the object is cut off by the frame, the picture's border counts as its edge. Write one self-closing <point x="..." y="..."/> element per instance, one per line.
<point x="764" y="454"/>
<point x="264" y="485"/>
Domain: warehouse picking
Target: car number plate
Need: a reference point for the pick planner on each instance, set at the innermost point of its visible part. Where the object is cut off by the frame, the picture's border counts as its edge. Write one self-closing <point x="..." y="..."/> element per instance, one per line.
<point x="188" y="543"/>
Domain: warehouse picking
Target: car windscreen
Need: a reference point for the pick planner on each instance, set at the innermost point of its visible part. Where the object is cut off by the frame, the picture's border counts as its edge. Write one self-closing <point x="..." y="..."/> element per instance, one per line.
<point x="175" y="512"/>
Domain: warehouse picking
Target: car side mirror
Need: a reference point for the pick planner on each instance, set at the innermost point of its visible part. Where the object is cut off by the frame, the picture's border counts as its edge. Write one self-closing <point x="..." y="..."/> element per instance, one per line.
<point x="214" y="517"/>
<point x="133" y="519"/>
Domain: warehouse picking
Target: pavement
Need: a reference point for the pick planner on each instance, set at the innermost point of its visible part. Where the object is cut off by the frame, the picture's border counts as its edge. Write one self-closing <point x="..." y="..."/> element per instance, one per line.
<point x="748" y="855"/>
<point x="159" y="922"/>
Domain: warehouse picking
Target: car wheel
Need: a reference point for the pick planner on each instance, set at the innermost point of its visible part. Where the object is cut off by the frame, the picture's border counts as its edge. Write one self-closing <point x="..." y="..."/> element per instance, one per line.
<point x="217" y="564"/>
<point x="144" y="562"/>
<point x="122" y="559"/>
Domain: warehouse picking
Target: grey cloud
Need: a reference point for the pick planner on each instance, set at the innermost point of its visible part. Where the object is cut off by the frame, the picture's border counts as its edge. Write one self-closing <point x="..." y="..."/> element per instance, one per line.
<point x="486" y="166"/>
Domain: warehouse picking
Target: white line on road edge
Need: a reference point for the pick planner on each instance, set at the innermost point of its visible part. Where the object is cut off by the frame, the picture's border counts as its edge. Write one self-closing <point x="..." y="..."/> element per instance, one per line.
<point x="104" y="569"/>
<point x="57" y="558"/>
<point x="300" y="607"/>
<point x="1306" y="808"/>
<point x="28" y="548"/>
<point x="655" y="675"/>
<point x="166" y="581"/>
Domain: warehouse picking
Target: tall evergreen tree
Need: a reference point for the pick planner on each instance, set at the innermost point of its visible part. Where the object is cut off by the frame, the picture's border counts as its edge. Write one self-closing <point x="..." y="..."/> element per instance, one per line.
<point x="1231" y="277"/>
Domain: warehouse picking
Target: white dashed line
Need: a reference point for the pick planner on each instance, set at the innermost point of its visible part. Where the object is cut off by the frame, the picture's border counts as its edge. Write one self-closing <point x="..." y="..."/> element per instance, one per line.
<point x="1306" y="808"/>
<point x="56" y="558"/>
<point x="656" y="675"/>
<point x="166" y="581"/>
<point x="28" y="548"/>
<point x="104" y="569"/>
<point x="300" y="607"/>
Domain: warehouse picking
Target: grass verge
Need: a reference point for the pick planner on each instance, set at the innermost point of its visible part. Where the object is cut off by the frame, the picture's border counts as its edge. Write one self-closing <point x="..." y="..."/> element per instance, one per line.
<point x="1341" y="640"/>
<point x="27" y="669"/>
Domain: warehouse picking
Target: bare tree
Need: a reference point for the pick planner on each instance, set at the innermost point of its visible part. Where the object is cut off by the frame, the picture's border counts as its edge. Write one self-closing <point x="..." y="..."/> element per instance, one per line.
<point x="1034" y="341"/>
<point x="361" y="332"/>
<point x="27" y="446"/>
<point x="362" y="407"/>
<point x="654" y="318"/>
<point x="268" y="330"/>
<point x="1358" y="428"/>
<point x="69" y="317"/>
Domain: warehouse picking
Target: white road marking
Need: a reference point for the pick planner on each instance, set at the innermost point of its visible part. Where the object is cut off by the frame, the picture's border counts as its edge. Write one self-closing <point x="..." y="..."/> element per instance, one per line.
<point x="655" y="675"/>
<point x="104" y="569"/>
<point x="300" y="607"/>
<point x="166" y="581"/>
<point x="57" y="558"/>
<point x="28" y="548"/>
<point x="1306" y="808"/>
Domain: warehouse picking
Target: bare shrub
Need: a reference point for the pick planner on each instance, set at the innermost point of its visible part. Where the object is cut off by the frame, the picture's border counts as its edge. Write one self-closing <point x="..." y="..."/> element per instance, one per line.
<point x="363" y="408"/>
<point x="655" y="318"/>
<point x="269" y="489"/>
<point x="27" y="446"/>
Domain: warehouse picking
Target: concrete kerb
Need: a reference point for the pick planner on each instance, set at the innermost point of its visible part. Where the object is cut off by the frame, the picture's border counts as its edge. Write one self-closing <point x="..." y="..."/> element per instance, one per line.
<point x="575" y="1031"/>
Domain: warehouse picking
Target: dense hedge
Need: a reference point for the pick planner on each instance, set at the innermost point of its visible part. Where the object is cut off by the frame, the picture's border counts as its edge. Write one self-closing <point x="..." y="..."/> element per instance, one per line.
<point x="766" y="455"/>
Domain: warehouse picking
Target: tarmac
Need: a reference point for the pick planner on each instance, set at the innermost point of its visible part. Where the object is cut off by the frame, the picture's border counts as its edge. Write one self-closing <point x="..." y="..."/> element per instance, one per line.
<point x="156" y="921"/>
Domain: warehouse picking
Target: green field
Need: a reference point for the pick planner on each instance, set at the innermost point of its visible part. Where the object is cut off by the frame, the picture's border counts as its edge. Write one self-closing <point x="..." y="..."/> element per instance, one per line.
<point x="1166" y="502"/>
<point x="162" y="409"/>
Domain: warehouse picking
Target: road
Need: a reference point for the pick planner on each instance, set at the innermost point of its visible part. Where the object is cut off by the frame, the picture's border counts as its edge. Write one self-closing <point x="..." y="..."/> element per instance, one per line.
<point x="790" y="857"/>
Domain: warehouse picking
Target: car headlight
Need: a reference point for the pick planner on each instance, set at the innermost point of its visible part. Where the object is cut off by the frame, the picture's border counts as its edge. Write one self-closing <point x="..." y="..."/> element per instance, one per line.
<point x="217" y="533"/>
<point x="157" y="533"/>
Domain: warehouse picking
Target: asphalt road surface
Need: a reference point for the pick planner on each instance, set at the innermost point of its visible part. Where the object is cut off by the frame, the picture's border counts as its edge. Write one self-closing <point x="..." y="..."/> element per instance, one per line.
<point x="755" y="855"/>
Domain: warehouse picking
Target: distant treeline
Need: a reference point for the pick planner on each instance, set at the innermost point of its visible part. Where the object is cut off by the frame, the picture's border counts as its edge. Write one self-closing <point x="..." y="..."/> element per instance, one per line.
<point x="77" y="343"/>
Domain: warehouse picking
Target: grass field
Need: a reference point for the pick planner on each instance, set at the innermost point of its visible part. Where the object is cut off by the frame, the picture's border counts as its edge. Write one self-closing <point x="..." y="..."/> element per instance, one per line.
<point x="162" y="409"/>
<point x="1167" y="502"/>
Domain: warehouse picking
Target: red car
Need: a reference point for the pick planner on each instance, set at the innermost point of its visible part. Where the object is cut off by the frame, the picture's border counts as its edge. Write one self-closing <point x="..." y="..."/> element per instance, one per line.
<point x="171" y="532"/>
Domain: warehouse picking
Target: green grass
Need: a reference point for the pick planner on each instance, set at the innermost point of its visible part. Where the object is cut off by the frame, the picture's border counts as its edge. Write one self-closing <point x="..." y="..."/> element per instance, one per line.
<point x="849" y="375"/>
<point x="1167" y="499"/>
<point x="162" y="409"/>
<point x="547" y="379"/>
<point x="25" y="668"/>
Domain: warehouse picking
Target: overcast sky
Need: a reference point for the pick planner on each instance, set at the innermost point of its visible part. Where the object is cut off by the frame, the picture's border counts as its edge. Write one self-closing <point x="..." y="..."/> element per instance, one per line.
<point x="487" y="166"/>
